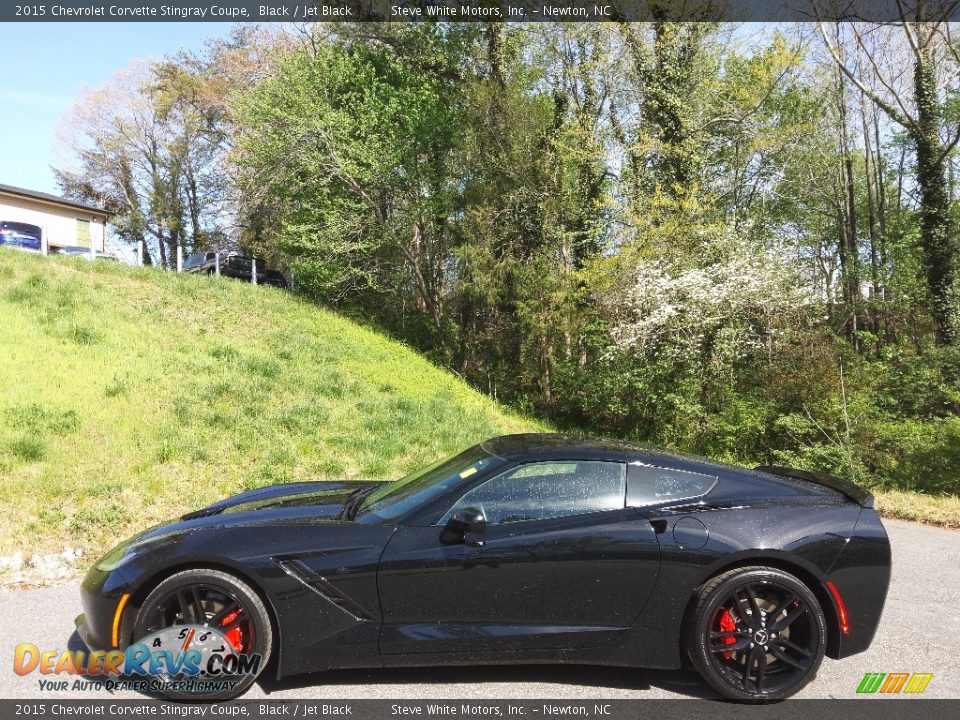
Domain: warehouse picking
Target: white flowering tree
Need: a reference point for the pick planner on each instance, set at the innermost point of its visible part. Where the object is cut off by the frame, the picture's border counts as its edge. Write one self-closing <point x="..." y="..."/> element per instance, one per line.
<point x="726" y="305"/>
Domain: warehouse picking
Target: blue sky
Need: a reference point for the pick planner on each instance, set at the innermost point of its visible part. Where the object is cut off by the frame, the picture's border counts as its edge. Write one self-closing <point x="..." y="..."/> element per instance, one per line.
<point x="52" y="62"/>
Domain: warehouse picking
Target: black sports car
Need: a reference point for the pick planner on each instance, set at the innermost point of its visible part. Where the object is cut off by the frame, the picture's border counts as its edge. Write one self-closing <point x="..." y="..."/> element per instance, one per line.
<point x="523" y="549"/>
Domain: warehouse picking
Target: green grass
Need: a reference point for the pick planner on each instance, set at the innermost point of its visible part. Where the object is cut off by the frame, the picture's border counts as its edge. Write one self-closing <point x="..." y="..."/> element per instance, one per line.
<point x="130" y="395"/>
<point x="943" y="510"/>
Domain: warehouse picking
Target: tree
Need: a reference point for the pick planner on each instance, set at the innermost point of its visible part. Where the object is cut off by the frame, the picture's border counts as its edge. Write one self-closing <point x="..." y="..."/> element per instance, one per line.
<point x="145" y="147"/>
<point x="151" y="145"/>
<point x="355" y="141"/>
<point x="926" y="38"/>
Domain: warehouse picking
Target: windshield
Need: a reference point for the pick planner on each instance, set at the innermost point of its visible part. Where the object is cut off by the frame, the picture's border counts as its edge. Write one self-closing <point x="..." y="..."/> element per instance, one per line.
<point x="407" y="493"/>
<point x="19" y="227"/>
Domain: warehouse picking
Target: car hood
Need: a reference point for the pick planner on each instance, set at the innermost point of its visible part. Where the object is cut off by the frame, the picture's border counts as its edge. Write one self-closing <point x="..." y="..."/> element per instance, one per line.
<point x="266" y="520"/>
<point x="324" y="500"/>
<point x="303" y="502"/>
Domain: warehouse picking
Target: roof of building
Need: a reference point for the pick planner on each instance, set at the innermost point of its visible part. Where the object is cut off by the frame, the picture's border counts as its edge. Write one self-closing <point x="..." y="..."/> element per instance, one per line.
<point x="47" y="197"/>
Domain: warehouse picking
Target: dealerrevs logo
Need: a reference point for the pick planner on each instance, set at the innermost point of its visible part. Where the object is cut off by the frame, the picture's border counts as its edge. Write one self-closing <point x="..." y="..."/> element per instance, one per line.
<point x="894" y="683"/>
<point x="184" y="658"/>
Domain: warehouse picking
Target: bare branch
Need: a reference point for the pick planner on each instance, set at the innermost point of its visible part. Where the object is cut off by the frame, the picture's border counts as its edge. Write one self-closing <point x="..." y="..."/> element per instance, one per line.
<point x="911" y="38"/>
<point x="898" y="117"/>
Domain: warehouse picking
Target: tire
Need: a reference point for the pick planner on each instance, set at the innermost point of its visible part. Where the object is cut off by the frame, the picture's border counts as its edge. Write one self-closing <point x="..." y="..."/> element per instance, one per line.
<point x="216" y="591"/>
<point x="756" y="634"/>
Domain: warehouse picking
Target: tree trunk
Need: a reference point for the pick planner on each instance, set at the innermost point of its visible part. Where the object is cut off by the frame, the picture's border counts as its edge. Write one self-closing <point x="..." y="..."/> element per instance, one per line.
<point x="147" y="258"/>
<point x="848" y="235"/>
<point x="163" y="250"/>
<point x="881" y="187"/>
<point x="935" y="205"/>
<point x="868" y="161"/>
<point x="496" y="39"/>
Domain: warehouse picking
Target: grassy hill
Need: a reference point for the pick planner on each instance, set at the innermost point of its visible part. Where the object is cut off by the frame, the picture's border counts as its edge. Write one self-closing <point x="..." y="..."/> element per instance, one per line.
<point x="130" y="395"/>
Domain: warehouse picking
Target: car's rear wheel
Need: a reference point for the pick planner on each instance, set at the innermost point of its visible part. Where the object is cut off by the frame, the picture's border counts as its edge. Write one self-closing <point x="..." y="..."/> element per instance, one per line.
<point x="756" y="634"/>
<point x="215" y="600"/>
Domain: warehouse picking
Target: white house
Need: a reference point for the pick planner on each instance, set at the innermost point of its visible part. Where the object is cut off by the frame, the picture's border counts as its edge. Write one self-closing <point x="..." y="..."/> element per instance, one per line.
<point x="62" y="222"/>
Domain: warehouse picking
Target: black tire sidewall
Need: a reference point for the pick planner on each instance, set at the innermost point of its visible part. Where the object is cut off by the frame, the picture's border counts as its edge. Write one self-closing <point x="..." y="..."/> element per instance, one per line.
<point x="708" y="601"/>
<point x="251" y="601"/>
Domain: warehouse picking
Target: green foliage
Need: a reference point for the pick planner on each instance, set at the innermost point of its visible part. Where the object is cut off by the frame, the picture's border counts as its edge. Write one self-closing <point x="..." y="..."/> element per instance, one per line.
<point x="357" y="140"/>
<point x="632" y="230"/>
<point x="26" y="448"/>
<point x="679" y="233"/>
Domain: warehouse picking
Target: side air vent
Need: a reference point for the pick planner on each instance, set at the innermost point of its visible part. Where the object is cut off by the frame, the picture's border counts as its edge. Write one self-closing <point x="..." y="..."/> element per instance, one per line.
<point x="325" y="589"/>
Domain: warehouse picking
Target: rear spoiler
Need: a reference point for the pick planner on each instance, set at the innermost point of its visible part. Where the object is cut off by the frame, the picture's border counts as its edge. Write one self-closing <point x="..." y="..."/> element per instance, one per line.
<point x="853" y="491"/>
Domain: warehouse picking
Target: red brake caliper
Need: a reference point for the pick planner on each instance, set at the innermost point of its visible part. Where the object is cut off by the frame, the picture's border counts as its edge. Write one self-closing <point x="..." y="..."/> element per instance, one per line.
<point x="234" y="635"/>
<point x="727" y="624"/>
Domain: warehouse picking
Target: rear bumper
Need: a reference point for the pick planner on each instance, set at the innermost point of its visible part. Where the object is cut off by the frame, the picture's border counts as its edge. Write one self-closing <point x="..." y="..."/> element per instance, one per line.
<point x="861" y="575"/>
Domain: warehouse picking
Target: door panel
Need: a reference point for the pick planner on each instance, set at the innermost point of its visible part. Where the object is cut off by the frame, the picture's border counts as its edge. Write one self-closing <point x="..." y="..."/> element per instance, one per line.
<point x="536" y="585"/>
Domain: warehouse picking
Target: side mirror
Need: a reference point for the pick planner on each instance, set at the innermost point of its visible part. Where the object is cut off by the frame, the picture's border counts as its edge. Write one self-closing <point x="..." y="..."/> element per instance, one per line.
<point x="463" y="521"/>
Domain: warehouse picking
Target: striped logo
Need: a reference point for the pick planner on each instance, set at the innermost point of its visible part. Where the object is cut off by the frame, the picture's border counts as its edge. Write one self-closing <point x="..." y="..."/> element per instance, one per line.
<point x="892" y="683"/>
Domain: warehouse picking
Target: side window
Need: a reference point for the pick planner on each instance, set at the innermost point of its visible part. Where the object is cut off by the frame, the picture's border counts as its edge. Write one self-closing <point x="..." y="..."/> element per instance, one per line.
<point x="650" y="484"/>
<point x="540" y="491"/>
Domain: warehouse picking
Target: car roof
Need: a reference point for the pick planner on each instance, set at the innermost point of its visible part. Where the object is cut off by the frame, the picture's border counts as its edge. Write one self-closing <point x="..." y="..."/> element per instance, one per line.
<point x="525" y="446"/>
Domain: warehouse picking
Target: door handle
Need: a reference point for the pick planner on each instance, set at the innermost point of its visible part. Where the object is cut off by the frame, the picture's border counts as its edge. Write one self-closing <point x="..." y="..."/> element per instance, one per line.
<point x="474" y="543"/>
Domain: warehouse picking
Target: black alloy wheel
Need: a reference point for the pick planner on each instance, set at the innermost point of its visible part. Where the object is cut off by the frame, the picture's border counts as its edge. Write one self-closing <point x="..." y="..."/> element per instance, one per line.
<point x="214" y="599"/>
<point x="756" y="634"/>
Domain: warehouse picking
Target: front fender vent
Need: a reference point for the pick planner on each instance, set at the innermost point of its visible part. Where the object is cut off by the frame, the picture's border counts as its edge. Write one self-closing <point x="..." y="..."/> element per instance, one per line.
<point x="325" y="589"/>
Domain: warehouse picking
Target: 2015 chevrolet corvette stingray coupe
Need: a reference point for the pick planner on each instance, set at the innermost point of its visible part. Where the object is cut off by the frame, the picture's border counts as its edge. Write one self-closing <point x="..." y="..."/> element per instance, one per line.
<point x="523" y="549"/>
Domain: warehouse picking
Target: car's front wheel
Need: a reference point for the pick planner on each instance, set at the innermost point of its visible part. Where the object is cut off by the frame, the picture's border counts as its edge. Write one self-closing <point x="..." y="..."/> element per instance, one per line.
<point x="756" y="634"/>
<point x="206" y="600"/>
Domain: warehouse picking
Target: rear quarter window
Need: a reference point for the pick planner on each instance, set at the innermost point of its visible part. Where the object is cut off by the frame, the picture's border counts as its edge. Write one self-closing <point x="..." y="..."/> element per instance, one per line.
<point x="652" y="484"/>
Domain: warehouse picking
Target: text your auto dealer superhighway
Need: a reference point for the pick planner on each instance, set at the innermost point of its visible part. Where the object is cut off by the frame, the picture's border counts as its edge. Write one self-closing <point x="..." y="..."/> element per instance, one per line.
<point x="145" y="11"/>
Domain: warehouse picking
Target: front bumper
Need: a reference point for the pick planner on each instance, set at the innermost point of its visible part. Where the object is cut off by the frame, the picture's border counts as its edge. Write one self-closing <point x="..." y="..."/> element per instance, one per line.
<point x="105" y="599"/>
<point x="83" y="630"/>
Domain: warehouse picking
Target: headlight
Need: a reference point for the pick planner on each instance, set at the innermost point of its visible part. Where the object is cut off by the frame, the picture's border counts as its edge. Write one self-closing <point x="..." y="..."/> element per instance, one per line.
<point x="126" y="551"/>
<point x="116" y="557"/>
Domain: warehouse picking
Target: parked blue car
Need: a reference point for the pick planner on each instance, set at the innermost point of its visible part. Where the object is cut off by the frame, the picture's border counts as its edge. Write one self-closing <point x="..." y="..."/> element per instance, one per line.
<point x="18" y="234"/>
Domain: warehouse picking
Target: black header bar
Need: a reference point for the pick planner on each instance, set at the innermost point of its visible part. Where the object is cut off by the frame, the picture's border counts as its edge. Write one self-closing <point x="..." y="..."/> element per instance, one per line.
<point x="478" y="10"/>
<point x="54" y="708"/>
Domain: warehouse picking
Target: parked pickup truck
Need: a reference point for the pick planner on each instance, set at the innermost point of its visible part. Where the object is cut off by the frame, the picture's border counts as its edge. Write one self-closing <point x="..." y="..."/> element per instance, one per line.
<point x="233" y="265"/>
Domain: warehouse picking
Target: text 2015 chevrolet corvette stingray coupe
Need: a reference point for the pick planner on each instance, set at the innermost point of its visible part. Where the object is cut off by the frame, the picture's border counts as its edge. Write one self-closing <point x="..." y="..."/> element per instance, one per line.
<point x="523" y="549"/>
